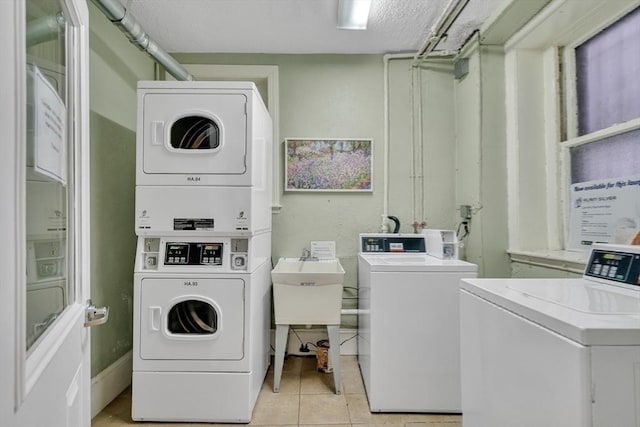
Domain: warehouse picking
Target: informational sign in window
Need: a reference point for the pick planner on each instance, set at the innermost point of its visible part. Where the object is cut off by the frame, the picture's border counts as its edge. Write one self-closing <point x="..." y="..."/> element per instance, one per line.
<point x="605" y="211"/>
<point x="50" y="130"/>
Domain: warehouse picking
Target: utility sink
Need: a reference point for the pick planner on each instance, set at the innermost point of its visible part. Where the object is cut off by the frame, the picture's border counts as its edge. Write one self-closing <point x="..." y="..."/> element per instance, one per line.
<point x="292" y="271"/>
<point x="307" y="292"/>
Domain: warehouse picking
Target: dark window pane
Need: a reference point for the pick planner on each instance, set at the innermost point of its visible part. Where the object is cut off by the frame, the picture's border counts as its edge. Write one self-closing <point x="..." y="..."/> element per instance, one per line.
<point x="612" y="157"/>
<point x="608" y="76"/>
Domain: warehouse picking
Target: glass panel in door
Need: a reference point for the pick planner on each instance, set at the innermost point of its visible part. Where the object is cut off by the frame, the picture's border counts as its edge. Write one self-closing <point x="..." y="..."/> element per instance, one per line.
<point x="49" y="288"/>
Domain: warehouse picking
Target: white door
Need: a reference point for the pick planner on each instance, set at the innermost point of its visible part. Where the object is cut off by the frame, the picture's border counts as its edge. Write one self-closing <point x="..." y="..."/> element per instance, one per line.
<point x="44" y="351"/>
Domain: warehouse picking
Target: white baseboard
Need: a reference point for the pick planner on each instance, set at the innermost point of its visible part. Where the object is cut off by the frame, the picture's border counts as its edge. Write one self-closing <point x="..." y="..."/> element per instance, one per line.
<point x="349" y="346"/>
<point x="109" y="383"/>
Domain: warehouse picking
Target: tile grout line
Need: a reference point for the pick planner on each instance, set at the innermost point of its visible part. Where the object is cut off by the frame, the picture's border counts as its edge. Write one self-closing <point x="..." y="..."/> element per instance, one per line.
<point x="299" y="393"/>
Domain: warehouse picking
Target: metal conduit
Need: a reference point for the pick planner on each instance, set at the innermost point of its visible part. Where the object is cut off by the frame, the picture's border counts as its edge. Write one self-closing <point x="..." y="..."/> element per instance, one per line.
<point x="44" y="29"/>
<point x="440" y="28"/>
<point x="127" y="23"/>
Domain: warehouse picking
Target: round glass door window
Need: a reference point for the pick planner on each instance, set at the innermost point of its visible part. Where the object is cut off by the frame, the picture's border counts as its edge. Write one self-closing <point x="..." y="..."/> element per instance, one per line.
<point x="195" y="133"/>
<point x="193" y="317"/>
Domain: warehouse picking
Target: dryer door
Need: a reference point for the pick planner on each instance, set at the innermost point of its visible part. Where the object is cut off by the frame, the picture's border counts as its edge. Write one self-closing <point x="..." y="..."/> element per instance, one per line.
<point x="194" y="133"/>
<point x="192" y="318"/>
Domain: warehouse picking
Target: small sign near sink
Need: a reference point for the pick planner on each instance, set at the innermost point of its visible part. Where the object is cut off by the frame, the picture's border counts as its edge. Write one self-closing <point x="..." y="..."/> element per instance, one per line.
<point x="323" y="249"/>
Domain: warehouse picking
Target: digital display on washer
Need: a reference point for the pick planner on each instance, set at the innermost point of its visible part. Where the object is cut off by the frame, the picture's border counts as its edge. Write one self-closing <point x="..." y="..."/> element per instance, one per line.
<point x="211" y="254"/>
<point x="193" y="253"/>
<point x="177" y="254"/>
<point x="620" y="267"/>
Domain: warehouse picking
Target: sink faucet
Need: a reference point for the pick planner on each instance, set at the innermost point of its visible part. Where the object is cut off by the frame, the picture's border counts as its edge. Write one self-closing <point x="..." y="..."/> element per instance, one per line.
<point x="306" y="255"/>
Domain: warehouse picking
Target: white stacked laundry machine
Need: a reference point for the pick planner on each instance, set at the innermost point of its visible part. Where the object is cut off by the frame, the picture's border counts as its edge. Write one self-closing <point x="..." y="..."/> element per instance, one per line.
<point x="202" y="271"/>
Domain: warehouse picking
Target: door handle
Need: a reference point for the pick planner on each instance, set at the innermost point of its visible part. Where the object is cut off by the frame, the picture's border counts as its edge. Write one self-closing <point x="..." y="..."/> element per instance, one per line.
<point x="95" y="316"/>
<point x="154" y="318"/>
<point x="157" y="133"/>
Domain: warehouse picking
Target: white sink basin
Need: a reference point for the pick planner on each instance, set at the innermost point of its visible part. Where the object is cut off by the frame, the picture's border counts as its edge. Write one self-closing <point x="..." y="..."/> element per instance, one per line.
<point x="307" y="292"/>
<point x="292" y="271"/>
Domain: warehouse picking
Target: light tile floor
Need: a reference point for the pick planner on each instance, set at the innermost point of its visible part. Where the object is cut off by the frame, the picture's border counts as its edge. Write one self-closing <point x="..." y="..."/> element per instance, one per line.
<point x="306" y="398"/>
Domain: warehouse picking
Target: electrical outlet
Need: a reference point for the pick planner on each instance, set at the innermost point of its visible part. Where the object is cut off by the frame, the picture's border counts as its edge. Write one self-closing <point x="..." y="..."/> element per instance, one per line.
<point x="465" y="211"/>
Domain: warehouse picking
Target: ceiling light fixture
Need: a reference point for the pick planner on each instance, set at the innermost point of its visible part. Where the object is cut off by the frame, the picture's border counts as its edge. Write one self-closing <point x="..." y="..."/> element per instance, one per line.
<point x="353" y="14"/>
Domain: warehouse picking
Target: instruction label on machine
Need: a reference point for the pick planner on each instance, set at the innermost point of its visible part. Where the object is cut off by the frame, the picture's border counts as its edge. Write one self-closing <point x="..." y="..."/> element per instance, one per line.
<point x="193" y="224"/>
<point x="242" y="221"/>
<point x="605" y="211"/>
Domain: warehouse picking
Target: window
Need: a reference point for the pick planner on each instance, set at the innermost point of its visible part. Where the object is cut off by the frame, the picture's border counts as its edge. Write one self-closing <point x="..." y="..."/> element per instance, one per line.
<point x="49" y="289"/>
<point x="604" y="142"/>
<point x="607" y="70"/>
<point x="608" y="157"/>
<point x="572" y="109"/>
<point x="608" y="93"/>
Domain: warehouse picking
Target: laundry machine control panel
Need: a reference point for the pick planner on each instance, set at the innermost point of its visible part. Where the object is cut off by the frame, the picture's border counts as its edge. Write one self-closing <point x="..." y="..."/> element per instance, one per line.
<point x="201" y="254"/>
<point x="390" y="243"/>
<point x="614" y="264"/>
<point x="193" y="253"/>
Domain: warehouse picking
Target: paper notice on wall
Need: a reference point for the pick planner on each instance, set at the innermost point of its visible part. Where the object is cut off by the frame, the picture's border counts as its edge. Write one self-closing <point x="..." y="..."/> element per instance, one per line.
<point x="50" y="130"/>
<point x="605" y="211"/>
<point x="323" y="249"/>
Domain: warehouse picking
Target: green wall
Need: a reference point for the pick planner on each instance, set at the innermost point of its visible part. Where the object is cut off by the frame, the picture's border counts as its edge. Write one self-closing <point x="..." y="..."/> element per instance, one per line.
<point x="323" y="96"/>
<point x="115" y="67"/>
<point x="338" y="96"/>
<point x="332" y="96"/>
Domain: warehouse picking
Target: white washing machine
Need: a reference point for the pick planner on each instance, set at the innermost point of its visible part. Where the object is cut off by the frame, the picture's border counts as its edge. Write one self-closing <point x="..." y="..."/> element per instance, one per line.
<point x="201" y="327"/>
<point x="408" y="325"/>
<point x="554" y="352"/>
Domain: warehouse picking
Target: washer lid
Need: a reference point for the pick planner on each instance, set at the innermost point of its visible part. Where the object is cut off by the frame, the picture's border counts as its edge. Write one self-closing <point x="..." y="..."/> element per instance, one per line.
<point x="414" y="262"/>
<point x="586" y="312"/>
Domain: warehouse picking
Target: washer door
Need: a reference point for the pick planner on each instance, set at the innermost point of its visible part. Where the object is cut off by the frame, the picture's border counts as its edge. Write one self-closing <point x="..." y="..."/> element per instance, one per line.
<point x="192" y="318"/>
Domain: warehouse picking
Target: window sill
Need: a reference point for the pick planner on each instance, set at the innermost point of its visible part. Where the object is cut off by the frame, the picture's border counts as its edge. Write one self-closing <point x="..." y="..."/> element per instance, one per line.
<point x="557" y="260"/>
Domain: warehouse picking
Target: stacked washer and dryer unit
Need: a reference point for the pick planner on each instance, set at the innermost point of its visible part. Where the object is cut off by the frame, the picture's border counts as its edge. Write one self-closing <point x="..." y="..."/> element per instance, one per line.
<point x="202" y="270"/>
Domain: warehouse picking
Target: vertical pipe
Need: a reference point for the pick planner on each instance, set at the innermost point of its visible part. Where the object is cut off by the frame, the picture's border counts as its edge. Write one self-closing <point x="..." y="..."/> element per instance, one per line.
<point x="385" y="185"/>
<point x="385" y="145"/>
<point x="412" y="76"/>
<point x="420" y="147"/>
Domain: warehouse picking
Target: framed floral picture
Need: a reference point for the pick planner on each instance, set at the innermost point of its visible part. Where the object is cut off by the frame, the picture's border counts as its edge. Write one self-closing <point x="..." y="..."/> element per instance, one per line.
<point x="328" y="164"/>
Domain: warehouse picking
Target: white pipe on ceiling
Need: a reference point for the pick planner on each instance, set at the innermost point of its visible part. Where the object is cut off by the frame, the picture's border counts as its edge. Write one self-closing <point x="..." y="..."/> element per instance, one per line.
<point x="127" y="23"/>
<point x="440" y="28"/>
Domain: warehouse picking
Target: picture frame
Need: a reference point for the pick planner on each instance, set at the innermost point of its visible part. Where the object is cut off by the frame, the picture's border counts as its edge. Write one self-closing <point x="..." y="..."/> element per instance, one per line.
<point x="328" y="164"/>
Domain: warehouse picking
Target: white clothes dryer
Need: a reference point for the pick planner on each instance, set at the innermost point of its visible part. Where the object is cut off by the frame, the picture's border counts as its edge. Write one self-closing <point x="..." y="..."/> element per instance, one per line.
<point x="203" y="159"/>
<point x="201" y="133"/>
<point x="554" y="352"/>
<point x="408" y="325"/>
<point x="201" y="328"/>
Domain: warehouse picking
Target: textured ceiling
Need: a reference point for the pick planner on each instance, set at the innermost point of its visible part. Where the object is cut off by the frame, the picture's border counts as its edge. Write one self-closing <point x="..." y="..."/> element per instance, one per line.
<point x="298" y="26"/>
